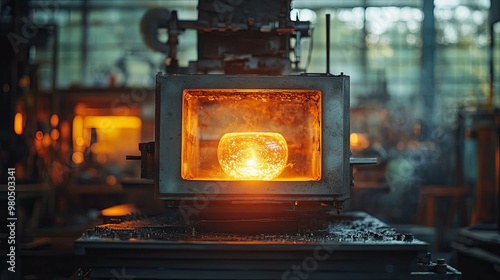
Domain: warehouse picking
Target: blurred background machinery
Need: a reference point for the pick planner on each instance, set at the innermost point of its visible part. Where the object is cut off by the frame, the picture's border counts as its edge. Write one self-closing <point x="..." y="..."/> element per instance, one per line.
<point x="233" y="37"/>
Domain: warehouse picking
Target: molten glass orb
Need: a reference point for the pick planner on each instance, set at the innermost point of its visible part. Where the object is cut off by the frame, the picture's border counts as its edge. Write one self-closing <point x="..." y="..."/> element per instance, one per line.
<point x="252" y="155"/>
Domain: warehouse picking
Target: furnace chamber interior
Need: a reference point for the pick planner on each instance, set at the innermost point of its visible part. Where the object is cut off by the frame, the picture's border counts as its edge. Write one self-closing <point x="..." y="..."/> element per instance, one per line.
<point x="208" y="115"/>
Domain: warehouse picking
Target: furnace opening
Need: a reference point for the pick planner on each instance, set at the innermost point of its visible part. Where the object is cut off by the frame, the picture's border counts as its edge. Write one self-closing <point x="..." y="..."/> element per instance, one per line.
<point x="251" y="117"/>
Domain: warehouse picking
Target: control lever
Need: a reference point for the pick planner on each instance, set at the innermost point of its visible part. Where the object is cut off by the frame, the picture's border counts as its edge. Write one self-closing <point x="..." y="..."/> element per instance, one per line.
<point x="360" y="161"/>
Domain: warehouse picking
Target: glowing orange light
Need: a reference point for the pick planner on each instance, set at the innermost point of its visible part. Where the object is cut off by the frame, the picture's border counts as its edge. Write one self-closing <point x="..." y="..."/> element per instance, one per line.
<point x="46" y="141"/>
<point x="79" y="141"/>
<point x="354" y="139"/>
<point x="80" y="109"/>
<point x="54" y="120"/>
<point x="18" y="123"/>
<point x="54" y="134"/>
<point x="77" y="157"/>
<point x="252" y="155"/>
<point x="77" y="128"/>
<point x="39" y="135"/>
<point x="110" y="122"/>
<point x="119" y="210"/>
<point x="359" y="141"/>
<point x="65" y="129"/>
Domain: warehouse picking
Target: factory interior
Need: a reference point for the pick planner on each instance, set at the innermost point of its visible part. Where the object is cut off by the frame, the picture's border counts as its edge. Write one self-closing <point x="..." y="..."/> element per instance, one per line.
<point x="250" y="139"/>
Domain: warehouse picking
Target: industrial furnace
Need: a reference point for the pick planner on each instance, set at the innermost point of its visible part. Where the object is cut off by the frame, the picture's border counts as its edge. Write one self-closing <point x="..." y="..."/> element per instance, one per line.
<point x="259" y="138"/>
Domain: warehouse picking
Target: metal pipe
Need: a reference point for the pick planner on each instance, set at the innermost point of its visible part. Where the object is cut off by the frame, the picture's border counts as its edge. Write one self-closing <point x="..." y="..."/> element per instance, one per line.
<point x="362" y="161"/>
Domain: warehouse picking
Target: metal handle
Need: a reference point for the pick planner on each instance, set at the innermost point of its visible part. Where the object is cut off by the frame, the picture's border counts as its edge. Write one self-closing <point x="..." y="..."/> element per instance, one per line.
<point x="362" y="161"/>
<point x="128" y="157"/>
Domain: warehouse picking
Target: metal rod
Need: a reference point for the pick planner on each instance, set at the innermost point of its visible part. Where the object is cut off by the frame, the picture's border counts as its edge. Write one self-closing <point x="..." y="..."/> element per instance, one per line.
<point x="55" y="59"/>
<point x="364" y="46"/>
<point x="363" y="161"/>
<point x="492" y="67"/>
<point x="327" y="43"/>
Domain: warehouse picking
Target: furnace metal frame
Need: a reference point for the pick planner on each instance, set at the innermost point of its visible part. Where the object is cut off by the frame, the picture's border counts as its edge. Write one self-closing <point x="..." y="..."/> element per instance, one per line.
<point x="335" y="181"/>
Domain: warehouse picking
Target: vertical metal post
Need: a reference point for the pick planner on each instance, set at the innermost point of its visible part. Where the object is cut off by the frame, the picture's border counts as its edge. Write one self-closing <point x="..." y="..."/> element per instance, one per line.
<point x="55" y="58"/>
<point x="85" y="39"/>
<point x="428" y="62"/>
<point x="172" y="66"/>
<point x="497" y="174"/>
<point x="492" y="67"/>
<point x="494" y="17"/>
<point x="364" y="47"/>
<point x="327" y="43"/>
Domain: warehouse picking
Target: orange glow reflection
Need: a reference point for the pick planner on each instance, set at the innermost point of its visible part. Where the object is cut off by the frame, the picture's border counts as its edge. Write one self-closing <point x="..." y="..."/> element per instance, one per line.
<point x="39" y="135"/>
<point x="54" y="120"/>
<point x="46" y="141"/>
<point x="110" y="122"/>
<point x="18" y="123"/>
<point x="115" y="136"/>
<point x="54" y="134"/>
<point x="253" y="155"/>
<point x="77" y="130"/>
<point x="79" y="141"/>
<point x="77" y="157"/>
<point x="119" y="210"/>
<point x="359" y="141"/>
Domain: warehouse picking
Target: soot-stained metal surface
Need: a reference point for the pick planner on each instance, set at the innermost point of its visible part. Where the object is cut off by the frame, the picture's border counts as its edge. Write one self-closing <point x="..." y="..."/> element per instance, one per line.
<point x="349" y="246"/>
<point x="345" y="229"/>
